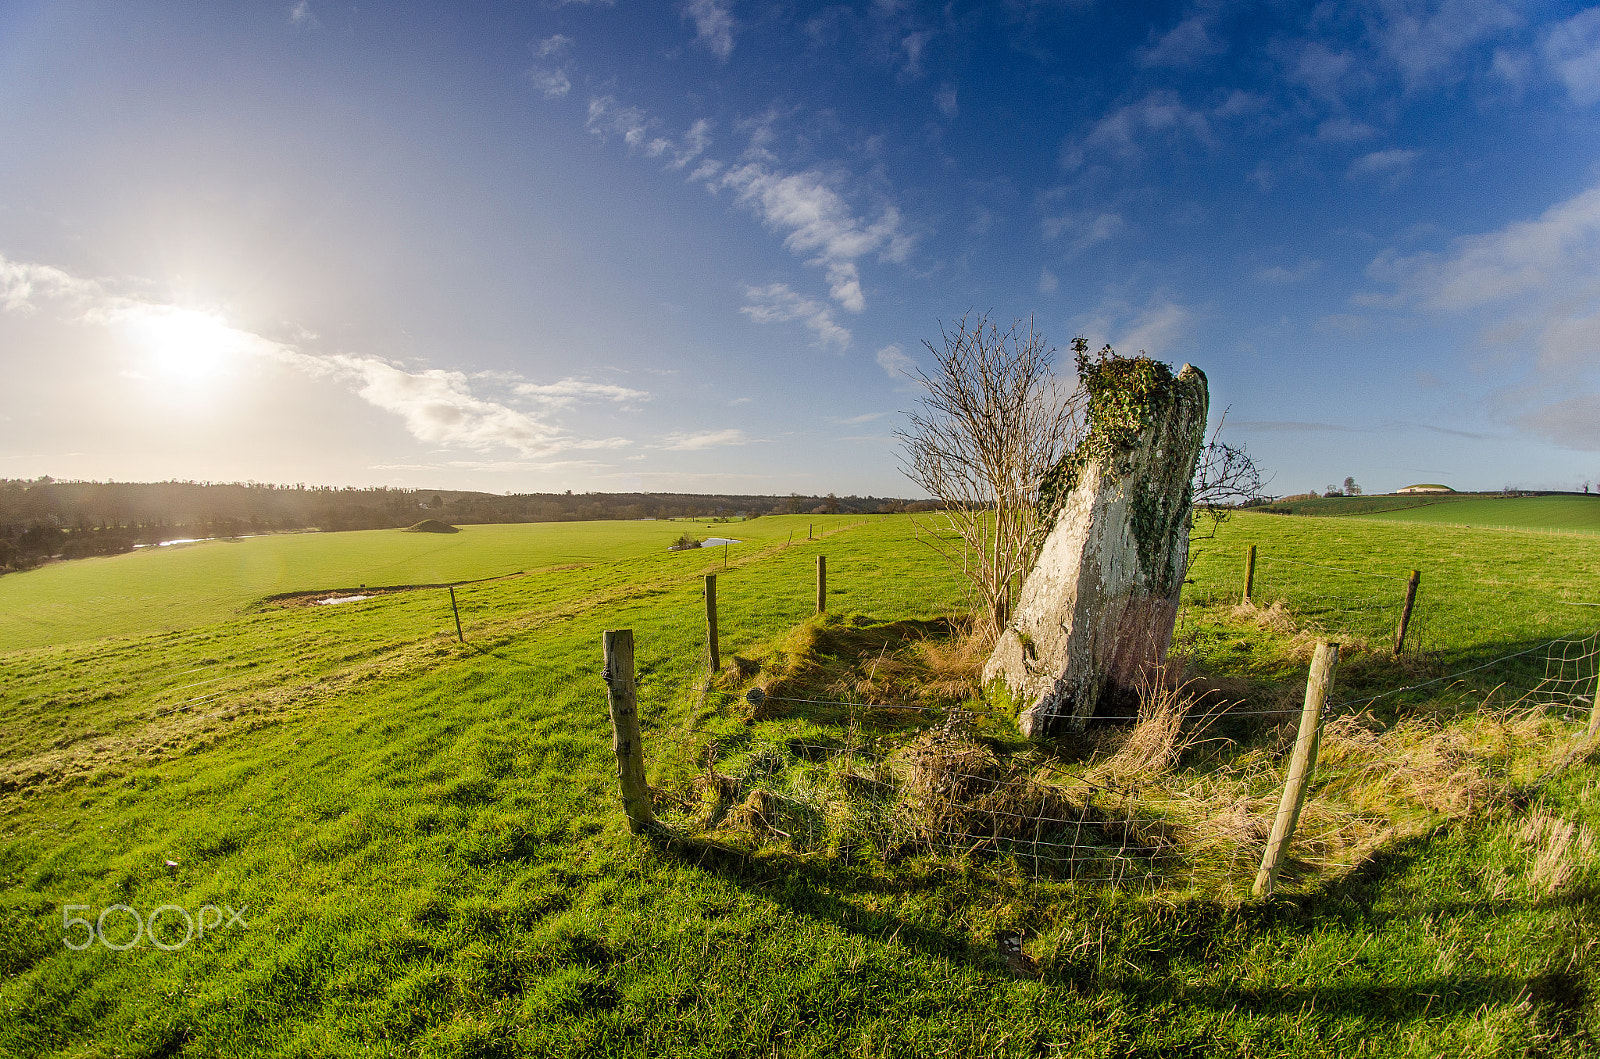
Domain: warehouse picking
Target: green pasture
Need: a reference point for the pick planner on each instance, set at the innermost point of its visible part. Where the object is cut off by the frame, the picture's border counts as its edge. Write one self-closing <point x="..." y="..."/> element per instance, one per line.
<point x="425" y="841"/>
<point x="1568" y="514"/>
<point x="1563" y="513"/>
<point x="186" y="586"/>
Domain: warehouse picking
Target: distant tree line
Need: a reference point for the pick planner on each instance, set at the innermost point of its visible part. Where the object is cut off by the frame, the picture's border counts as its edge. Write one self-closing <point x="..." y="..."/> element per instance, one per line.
<point x="43" y="518"/>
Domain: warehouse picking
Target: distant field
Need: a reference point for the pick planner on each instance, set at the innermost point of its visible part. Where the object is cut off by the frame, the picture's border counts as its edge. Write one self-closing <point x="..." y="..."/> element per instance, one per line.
<point x="1563" y="512"/>
<point x="186" y="586"/>
<point x="1569" y="513"/>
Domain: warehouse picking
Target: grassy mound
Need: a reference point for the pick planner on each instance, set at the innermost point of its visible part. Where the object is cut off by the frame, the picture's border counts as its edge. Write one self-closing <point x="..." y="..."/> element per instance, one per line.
<point x="431" y="525"/>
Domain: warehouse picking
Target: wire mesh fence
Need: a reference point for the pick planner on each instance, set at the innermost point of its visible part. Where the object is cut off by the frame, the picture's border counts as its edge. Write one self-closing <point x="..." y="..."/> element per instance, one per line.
<point x="1560" y="675"/>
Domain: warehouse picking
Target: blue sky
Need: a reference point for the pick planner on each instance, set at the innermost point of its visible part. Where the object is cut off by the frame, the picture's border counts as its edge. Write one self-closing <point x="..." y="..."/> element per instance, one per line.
<point x="694" y="246"/>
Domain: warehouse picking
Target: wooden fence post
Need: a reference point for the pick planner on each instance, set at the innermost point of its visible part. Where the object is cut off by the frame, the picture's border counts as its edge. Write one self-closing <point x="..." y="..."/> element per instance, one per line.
<point x="457" y="612"/>
<point x="711" y="622"/>
<point x="1249" y="573"/>
<point x="1301" y="762"/>
<point x="618" y="675"/>
<point x="822" y="584"/>
<point x="1594" y="711"/>
<point x="1405" y="612"/>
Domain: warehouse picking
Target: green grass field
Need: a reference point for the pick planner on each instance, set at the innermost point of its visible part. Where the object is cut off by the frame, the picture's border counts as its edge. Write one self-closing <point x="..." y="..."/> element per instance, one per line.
<point x="1572" y="514"/>
<point x="425" y="839"/>
<point x="182" y="587"/>
<point x="1565" y="513"/>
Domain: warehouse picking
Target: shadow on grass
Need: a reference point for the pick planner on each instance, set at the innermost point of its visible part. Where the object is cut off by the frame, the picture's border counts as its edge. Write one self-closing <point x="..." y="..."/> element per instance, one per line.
<point x="1150" y="938"/>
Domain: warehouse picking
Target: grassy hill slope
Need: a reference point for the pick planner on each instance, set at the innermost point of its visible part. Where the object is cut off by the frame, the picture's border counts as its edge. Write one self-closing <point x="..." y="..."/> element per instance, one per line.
<point x="1566" y="513"/>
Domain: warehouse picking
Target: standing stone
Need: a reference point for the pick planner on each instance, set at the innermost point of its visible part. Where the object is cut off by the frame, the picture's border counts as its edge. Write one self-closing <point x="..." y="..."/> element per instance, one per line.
<point x="1099" y="605"/>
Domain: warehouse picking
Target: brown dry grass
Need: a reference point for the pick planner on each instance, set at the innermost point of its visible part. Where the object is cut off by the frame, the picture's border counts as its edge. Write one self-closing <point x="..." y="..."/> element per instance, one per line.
<point x="1561" y="851"/>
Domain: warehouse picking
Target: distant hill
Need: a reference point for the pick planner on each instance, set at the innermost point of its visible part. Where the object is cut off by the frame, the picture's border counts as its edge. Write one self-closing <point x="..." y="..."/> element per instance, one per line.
<point x="1543" y="511"/>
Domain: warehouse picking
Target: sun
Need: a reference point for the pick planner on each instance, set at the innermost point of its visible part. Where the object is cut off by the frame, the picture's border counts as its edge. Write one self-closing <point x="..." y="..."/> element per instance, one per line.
<point x="185" y="345"/>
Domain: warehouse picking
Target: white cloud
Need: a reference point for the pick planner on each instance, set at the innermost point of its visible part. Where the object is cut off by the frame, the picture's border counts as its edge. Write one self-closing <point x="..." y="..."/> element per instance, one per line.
<point x="568" y="392"/>
<point x="608" y="117"/>
<point x="1187" y="44"/>
<point x="1571" y="51"/>
<point x="301" y="15"/>
<point x="1083" y="230"/>
<point x="554" y="83"/>
<point x="1393" y="162"/>
<point x="1426" y="39"/>
<point x="693" y="144"/>
<point x="713" y="25"/>
<point x="1534" y="289"/>
<point x="1122" y="133"/>
<point x="1324" y="72"/>
<point x="819" y="223"/>
<point x="1047" y="281"/>
<point x="1554" y="258"/>
<point x="1278" y="274"/>
<point x="704" y="440"/>
<point x="894" y="362"/>
<point x="776" y="303"/>
<point x="914" y="45"/>
<point x="182" y="343"/>
<point x="1156" y="331"/>
<point x="1344" y="130"/>
<point x="439" y="406"/>
<point x="23" y="285"/>
<point x="810" y="208"/>
<point x="558" y="44"/>
<point x="946" y="98"/>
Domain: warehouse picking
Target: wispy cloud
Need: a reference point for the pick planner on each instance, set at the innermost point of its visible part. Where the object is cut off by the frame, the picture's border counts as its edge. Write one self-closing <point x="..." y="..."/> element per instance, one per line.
<point x="895" y="363"/>
<point x="713" y="25"/>
<point x="24" y="286"/>
<point x="1344" y="130"/>
<point x="1534" y="288"/>
<point x="1157" y="330"/>
<point x="548" y="74"/>
<point x="777" y="303"/>
<point x="1082" y="230"/>
<point x="1571" y="51"/>
<point x="436" y="406"/>
<point x="1122" y="134"/>
<point x="705" y="440"/>
<point x="1187" y="44"/>
<point x="301" y="15"/>
<point x="1279" y="426"/>
<point x="1282" y="276"/>
<point x="568" y="392"/>
<point x="811" y="209"/>
<point x="1427" y="41"/>
<point x="819" y="224"/>
<point x="1394" y="162"/>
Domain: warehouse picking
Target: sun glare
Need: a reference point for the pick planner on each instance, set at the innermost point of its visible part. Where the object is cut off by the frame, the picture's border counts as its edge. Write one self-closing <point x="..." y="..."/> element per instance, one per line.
<point x="186" y="345"/>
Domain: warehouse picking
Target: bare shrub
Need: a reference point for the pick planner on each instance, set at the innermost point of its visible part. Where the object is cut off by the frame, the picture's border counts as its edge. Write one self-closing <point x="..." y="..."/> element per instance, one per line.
<point x="994" y="419"/>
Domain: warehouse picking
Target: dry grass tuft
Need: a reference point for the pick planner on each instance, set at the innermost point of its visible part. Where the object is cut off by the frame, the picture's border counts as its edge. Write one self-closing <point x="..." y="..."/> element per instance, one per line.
<point x="1275" y="618"/>
<point x="1157" y="739"/>
<point x="1562" y="851"/>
